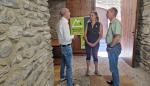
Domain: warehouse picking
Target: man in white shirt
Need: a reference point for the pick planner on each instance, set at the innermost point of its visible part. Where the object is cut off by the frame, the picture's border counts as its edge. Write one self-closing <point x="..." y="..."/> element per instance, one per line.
<point x="65" y="40"/>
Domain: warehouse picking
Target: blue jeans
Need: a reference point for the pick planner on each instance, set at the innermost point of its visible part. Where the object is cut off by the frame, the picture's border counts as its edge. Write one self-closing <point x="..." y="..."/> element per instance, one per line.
<point x="66" y="61"/>
<point x="113" y="55"/>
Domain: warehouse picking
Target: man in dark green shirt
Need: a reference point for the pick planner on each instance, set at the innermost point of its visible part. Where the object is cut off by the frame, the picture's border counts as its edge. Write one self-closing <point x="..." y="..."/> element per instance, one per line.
<point x="113" y="38"/>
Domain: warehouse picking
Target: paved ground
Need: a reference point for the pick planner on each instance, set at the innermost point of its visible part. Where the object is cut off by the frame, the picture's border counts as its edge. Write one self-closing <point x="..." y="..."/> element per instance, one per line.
<point x="136" y="75"/>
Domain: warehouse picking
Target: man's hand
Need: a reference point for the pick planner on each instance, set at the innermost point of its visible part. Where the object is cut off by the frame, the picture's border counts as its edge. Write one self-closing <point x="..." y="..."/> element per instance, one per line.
<point x="109" y="46"/>
<point x="116" y="39"/>
<point x="75" y="37"/>
<point x="108" y="49"/>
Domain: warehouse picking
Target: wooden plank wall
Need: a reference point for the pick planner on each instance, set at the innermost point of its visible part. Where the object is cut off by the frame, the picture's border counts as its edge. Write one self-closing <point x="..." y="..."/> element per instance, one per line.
<point x="79" y="8"/>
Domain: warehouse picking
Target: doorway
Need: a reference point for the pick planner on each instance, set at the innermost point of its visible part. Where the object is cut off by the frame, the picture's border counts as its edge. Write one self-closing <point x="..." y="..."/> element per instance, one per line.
<point x="101" y="8"/>
<point x="127" y="13"/>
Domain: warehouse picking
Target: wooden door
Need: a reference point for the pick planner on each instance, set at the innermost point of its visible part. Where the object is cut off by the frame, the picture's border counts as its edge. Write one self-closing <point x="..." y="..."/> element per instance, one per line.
<point x="128" y="19"/>
<point x="79" y="8"/>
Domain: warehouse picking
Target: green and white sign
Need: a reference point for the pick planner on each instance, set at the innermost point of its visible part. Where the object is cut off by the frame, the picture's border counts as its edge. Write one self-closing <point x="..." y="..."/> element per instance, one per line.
<point x="77" y="25"/>
<point x="82" y="42"/>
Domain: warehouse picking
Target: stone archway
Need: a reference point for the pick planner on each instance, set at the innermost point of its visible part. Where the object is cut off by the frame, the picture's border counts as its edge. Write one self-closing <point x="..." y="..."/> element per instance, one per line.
<point x="25" y="52"/>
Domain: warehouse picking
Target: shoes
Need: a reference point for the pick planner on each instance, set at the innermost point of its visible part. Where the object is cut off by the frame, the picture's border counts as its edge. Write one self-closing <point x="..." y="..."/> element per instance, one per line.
<point x="63" y="79"/>
<point x="87" y="73"/>
<point x="109" y="82"/>
<point x="96" y="73"/>
<point x="75" y="84"/>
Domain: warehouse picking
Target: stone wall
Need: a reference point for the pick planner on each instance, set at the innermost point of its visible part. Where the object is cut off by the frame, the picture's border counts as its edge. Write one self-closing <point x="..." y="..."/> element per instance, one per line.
<point x="143" y="35"/>
<point x="25" y="52"/>
<point x="55" y="6"/>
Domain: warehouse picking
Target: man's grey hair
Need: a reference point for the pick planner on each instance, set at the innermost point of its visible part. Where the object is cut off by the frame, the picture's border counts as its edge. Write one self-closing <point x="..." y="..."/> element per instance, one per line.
<point x="115" y="11"/>
<point x="62" y="11"/>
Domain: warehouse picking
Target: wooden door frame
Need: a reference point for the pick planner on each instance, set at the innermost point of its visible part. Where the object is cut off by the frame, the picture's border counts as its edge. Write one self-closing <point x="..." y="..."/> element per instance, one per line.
<point x="134" y="63"/>
<point x="94" y="5"/>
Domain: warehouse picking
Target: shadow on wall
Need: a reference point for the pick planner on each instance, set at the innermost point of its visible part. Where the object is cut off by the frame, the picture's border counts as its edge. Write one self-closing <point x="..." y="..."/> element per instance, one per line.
<point x="54" y="8"/>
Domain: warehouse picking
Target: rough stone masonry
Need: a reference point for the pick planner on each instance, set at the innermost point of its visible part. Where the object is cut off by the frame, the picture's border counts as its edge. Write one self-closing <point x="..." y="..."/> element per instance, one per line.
<point x="143" y="35"/>
<point x="55" y="6"/>
<point x="25" y="49"/>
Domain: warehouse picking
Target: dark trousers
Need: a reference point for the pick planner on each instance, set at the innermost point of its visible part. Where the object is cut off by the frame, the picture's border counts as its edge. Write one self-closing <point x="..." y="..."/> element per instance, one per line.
<point x="92" y="51"/>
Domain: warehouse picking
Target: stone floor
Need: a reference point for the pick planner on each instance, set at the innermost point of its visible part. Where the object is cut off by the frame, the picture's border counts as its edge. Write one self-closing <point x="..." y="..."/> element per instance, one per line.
<point x="136" y="75"/>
